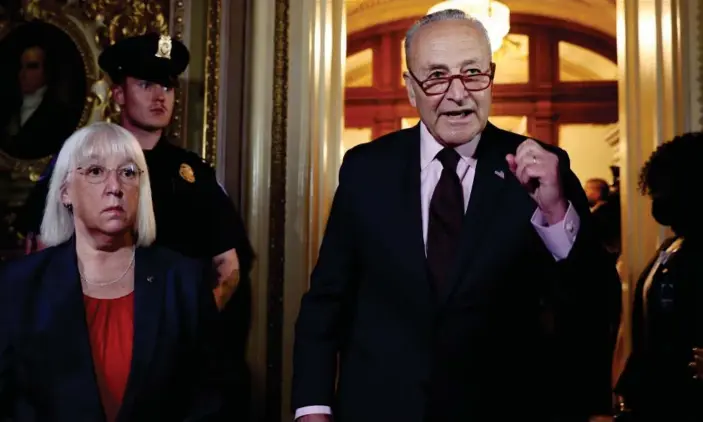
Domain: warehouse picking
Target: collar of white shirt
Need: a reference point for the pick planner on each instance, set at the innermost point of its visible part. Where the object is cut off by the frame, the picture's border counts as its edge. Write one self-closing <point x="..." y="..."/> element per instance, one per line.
<point x="30" y="104"/>
<point x="35" y="98"/>
<point x="429" y="147"/>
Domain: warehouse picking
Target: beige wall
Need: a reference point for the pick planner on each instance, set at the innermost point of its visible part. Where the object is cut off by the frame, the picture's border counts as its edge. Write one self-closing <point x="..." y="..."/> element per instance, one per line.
<point x="591" y="156"/>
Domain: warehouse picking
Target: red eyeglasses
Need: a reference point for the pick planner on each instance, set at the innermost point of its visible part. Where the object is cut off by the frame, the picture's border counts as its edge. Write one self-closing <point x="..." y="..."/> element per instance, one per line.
<point x="440" y="85"/>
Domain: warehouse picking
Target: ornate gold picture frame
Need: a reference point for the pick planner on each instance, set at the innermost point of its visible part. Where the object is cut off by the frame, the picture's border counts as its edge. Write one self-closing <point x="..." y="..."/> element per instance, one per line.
<point x="49" y="119"/>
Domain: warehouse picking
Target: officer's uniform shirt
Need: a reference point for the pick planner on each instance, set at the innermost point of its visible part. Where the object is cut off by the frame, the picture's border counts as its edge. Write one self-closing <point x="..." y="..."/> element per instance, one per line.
<point x="195" y="217"/>
<point x="193" y="214"/>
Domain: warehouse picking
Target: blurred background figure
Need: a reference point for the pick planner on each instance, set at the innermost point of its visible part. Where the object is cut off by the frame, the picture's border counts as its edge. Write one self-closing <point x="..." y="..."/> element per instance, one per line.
<point x="661" y="378"/>
<point x="604" y="201"/>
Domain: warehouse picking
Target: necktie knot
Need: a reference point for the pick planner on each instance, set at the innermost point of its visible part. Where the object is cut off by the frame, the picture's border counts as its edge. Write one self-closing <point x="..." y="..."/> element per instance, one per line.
<point x="449" y="158"/>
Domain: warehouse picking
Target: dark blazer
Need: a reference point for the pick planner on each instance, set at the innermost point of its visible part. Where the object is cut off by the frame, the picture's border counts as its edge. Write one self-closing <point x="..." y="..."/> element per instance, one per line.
<point x="514" y="335"/>
<point x="46" y="367"/>
<point x="657" y="383"/>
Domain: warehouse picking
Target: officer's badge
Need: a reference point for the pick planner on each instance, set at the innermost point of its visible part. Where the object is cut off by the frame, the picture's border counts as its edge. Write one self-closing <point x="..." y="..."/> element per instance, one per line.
<point x="163" y="51"/>
<point x="186" y="173"/>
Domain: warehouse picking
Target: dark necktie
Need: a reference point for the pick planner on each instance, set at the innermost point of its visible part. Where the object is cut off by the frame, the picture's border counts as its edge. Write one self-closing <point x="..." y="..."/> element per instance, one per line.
<point x="445" y="218"/>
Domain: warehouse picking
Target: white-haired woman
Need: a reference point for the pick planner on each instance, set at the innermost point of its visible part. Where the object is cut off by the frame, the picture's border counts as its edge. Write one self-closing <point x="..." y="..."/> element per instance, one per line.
<point x="100" y="325"/>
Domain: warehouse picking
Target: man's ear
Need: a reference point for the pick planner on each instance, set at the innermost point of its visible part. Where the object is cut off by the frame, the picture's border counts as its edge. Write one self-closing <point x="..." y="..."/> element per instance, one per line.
<point x="409" y="87"/>
<point x="118" y="94"/>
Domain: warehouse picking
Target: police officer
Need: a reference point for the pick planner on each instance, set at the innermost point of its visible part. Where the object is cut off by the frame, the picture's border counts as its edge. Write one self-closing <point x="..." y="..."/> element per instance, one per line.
<point x="194" y="216"/>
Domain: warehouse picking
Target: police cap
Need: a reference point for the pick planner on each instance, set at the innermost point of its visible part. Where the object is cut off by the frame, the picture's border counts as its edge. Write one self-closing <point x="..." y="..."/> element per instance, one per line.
<point x="150" y="57"/>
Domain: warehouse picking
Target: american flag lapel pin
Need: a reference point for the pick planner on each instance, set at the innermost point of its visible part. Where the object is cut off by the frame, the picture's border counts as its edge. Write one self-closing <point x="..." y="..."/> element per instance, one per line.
<point x="500" y="174"/>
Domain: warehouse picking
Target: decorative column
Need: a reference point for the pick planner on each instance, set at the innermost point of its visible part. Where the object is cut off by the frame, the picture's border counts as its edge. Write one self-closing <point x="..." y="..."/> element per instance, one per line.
<point x="295" y="126"/>
<point x="317" y="53"/>
<point x="256" y="182"/>
<point x="655" y="46"/>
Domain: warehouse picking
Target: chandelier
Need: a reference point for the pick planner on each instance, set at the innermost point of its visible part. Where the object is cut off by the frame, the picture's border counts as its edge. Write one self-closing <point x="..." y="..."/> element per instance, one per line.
<point x="494" y="15"/>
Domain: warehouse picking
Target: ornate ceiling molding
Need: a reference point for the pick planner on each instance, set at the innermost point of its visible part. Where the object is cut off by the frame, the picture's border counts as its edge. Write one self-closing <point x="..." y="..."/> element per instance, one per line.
<point x="359" y="6"/>
<point x="597" y="14"/>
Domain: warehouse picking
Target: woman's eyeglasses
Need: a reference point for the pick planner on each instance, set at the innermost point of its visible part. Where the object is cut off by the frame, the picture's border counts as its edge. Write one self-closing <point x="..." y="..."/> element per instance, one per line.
<point x="129" y="175"/>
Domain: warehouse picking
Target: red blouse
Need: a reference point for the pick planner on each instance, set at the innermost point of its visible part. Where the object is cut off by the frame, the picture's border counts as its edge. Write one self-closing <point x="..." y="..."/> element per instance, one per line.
<point x="111" y="329"/>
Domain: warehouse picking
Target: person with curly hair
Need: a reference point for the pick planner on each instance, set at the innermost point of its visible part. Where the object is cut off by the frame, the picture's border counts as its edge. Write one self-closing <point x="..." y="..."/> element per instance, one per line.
<point x="663" y="378"/>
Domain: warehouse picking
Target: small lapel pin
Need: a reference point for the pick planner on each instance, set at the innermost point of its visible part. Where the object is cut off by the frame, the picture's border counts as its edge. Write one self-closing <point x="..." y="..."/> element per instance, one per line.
<point x="150" y="279"/>
<point x="500" y="174"/>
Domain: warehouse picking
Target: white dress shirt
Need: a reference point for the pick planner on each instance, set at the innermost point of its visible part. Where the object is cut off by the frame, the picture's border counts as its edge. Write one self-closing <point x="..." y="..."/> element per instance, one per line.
<point x="30" y="104"/>
<point x="558" y="238"/>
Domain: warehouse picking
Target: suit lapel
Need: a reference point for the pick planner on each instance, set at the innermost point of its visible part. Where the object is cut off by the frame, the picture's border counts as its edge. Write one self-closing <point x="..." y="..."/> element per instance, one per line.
<point x="36" y="116"/>
<point x="149" y="286"/>
<point x="61" y="305"/>
<point x="490" y="181"/>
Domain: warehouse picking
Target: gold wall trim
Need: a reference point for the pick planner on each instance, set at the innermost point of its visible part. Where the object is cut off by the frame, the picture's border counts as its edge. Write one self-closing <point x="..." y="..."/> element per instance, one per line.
<point x="178" y="127"/>
<point x="212" y="85"/>
<point x="277" y="215"/>
<point x="118" y="20"/>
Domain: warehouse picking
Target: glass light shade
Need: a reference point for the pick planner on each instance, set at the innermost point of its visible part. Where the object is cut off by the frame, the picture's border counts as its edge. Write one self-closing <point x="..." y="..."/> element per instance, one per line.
<point x="494" y="15"/>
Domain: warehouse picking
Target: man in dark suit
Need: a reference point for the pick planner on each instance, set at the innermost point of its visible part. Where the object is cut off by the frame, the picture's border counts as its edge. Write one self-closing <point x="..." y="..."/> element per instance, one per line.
<point x="459" y="278"/>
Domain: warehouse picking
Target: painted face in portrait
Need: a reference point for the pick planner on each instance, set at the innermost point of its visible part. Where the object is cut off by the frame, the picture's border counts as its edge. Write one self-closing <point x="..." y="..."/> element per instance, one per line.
<point x="31" y="73"/>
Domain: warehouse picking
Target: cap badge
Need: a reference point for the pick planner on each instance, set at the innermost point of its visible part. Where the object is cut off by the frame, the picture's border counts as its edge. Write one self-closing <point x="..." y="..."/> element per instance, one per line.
<point x="186" y="173"/>
<point x="163" y="51"/>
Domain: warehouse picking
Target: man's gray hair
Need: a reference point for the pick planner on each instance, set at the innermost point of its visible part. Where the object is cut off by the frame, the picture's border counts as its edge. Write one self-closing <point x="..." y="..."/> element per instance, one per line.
<point x="442" y="15"/>
<point x="96" y="140"/>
